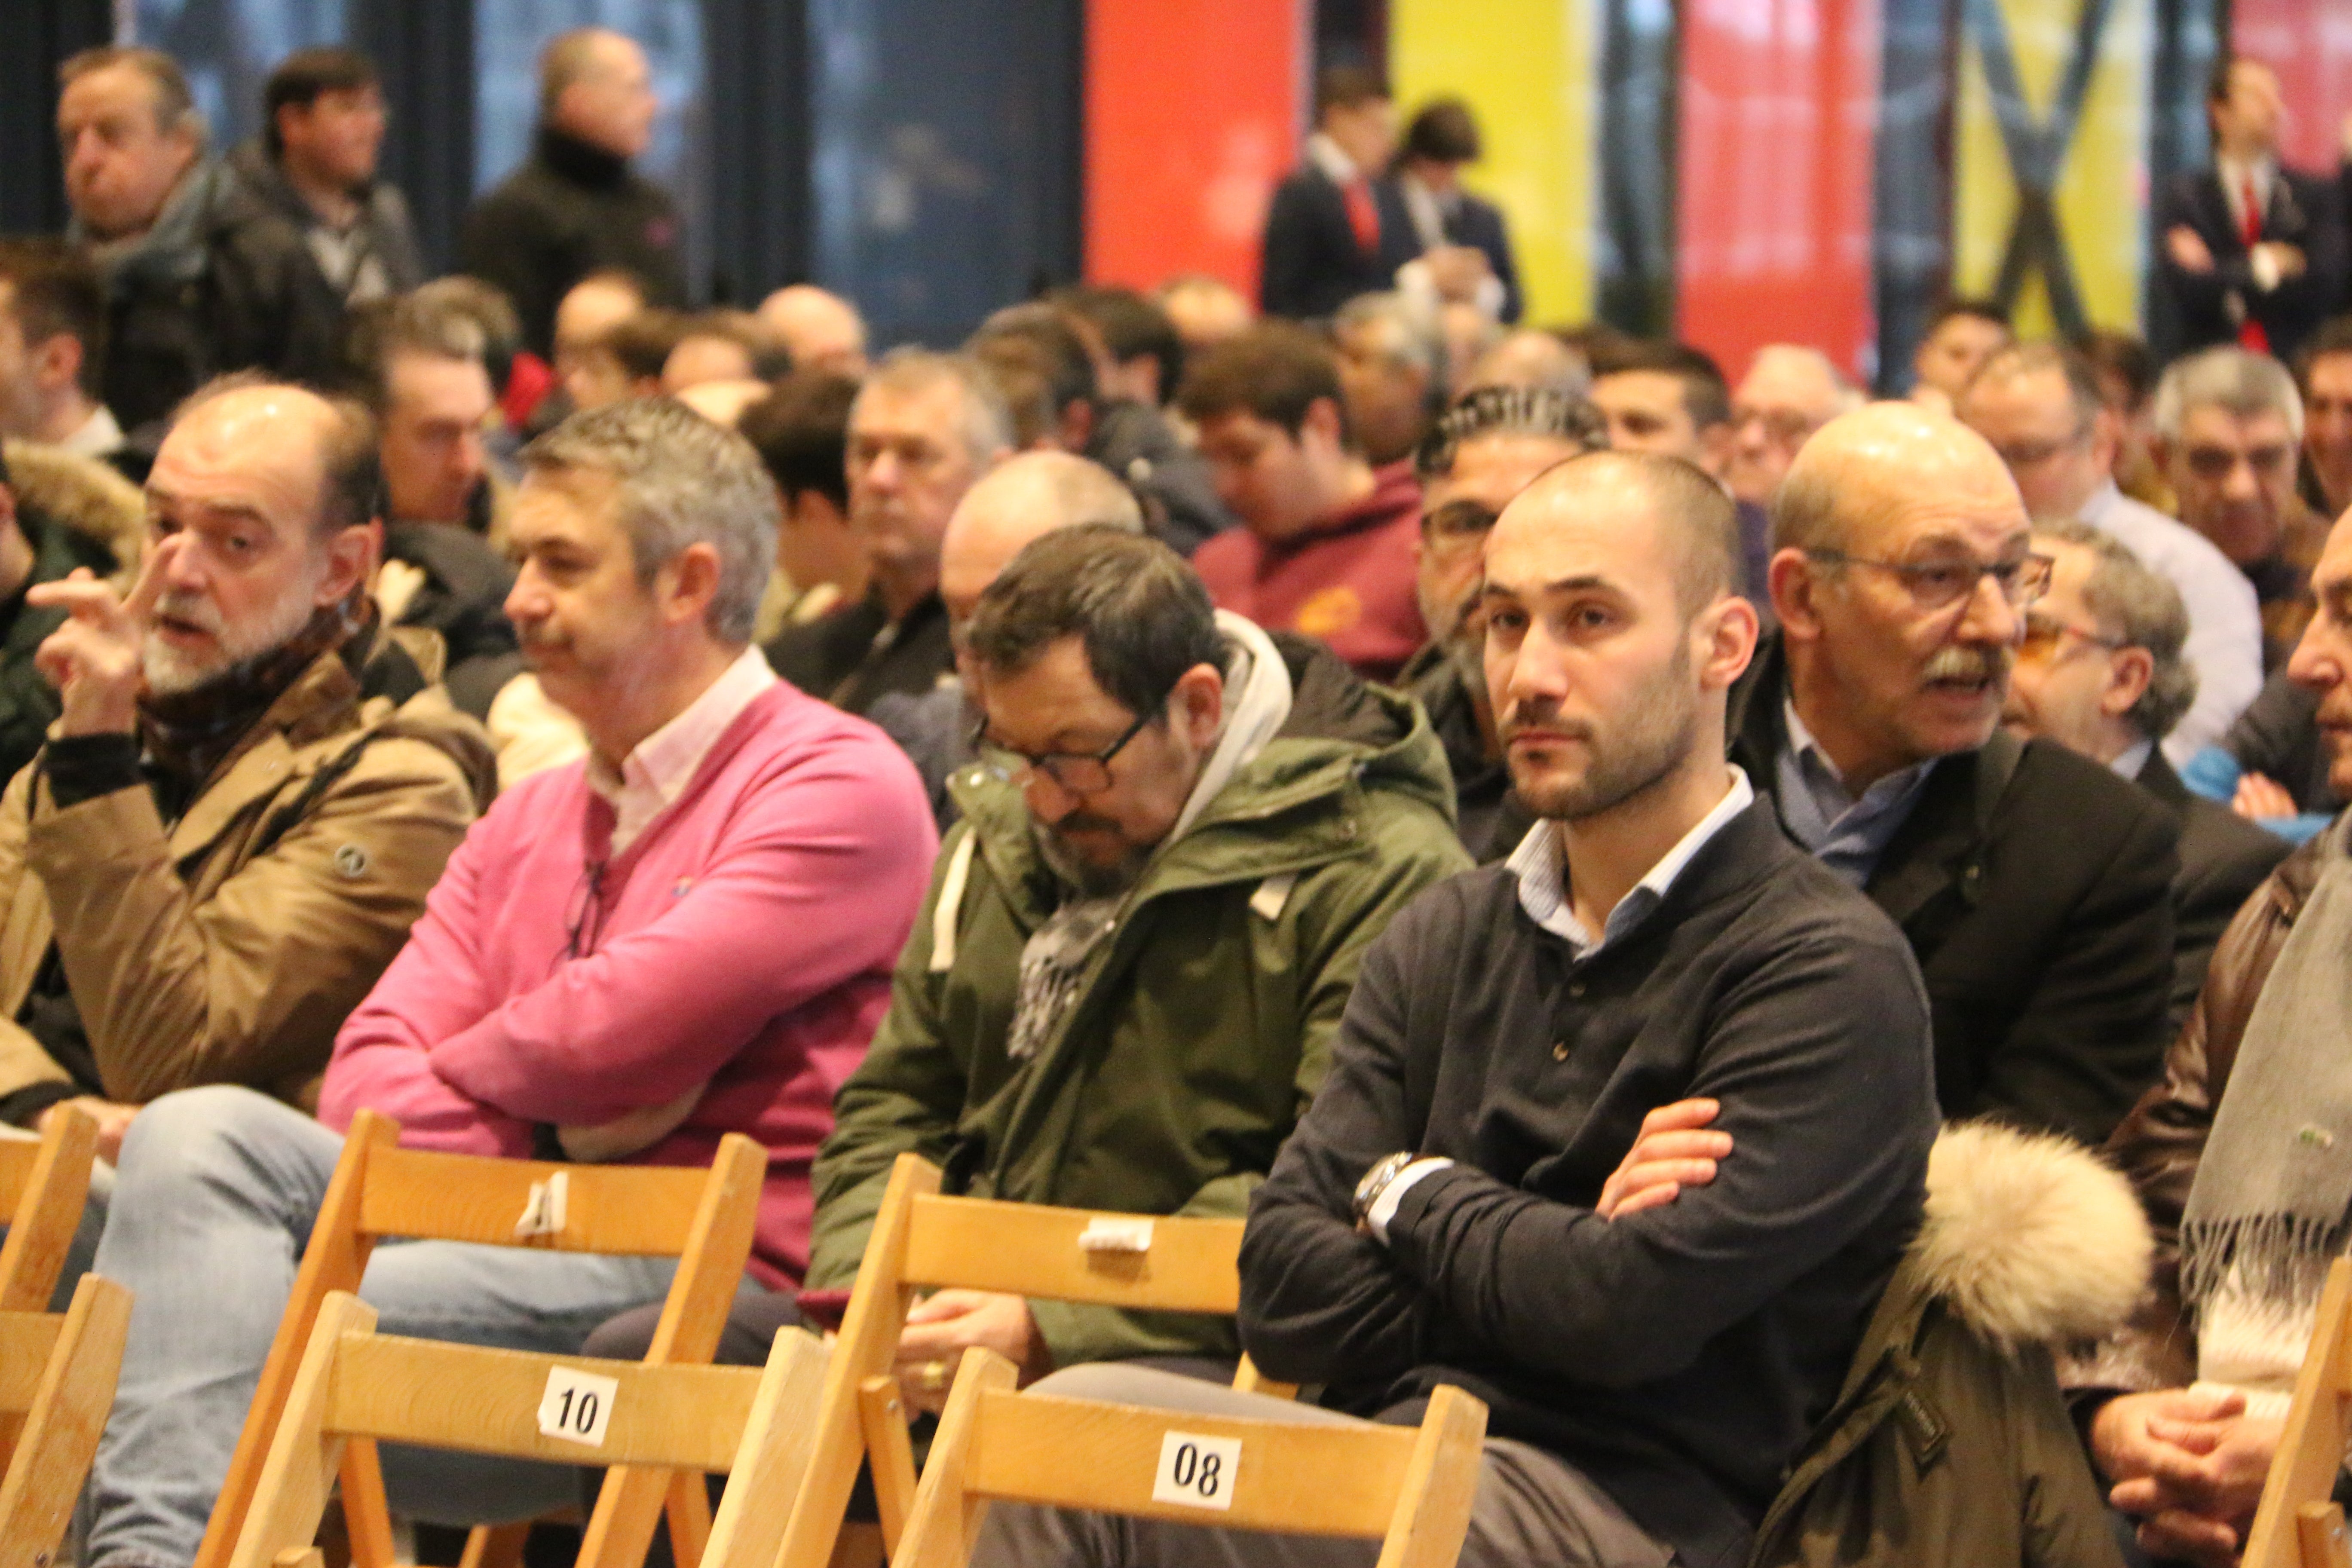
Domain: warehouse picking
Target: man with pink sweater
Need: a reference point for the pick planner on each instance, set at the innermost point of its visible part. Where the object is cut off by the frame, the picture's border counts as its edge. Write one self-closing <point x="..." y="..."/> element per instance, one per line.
<point x="691" y="933"/>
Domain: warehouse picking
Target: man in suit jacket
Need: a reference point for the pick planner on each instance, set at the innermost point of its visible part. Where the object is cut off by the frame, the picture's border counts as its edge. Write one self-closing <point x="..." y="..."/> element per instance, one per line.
<point x="2253" y="252"/>
<point x="1437" y="238"/>
<point x="2102" y="672"/>
<point x="1323" y="233"/>
<point x="2031" y="882"/>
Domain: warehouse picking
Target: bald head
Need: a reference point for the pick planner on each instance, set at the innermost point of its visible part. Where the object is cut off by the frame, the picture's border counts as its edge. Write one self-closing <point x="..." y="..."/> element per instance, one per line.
<point x="1023" y="499"/>
<point x="817" y="329"/>
<point x="1861" y="468"/>
<point x="1695" y="529"/>
<point x="594" y="84"/>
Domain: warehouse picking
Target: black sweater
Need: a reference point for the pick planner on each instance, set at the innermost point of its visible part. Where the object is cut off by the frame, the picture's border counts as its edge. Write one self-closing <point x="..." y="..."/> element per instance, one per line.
<point x="1679" y="1356"/>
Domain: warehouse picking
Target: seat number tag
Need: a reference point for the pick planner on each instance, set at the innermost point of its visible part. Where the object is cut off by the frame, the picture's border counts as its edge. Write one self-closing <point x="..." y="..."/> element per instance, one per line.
<point x="577" y="1406"/>
<point x="1107" y="1235"/>
<point x="542" y="1211"/>
<point x="1197" y="1472"/>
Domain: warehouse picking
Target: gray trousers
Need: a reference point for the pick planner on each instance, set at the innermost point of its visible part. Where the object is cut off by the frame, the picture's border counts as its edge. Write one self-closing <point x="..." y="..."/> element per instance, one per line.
<point x="1531" y="1506"/>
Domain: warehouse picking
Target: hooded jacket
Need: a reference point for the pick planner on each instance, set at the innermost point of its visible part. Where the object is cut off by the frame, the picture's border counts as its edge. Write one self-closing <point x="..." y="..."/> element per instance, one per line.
<point x="1949" y="1444"/>
<point x="226" y="947"/>
<point x="1202" y="1025"/>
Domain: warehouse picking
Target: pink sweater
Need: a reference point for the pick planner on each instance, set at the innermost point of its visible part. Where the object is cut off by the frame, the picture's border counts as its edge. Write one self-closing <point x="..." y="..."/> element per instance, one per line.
<point x="745" y="941"/>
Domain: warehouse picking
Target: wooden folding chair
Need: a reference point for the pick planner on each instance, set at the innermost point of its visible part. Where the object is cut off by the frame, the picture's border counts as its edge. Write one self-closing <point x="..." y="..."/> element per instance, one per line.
<point x="44" y="1184"/>
<point x="923" y="1241"/>
<point x="1411" y="1487"/>
<point x="355" y="1386"/>
<point x="703" y="1218"/>
<point x="56" y="1383"/>
<point x="2297" y="1525"/>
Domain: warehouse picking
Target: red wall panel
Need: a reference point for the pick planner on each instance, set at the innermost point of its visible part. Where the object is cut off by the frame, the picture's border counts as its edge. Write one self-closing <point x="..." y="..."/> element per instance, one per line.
<point x="2310" y="46"/>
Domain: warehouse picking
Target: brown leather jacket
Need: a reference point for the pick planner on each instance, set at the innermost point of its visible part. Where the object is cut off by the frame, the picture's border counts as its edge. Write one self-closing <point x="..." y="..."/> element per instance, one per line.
<point x="2159" y="1143"/>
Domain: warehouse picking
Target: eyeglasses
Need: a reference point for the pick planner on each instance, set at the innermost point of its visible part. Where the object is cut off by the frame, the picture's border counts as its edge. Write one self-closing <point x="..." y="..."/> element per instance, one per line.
<point x="2043" y="634"/>
<point x="2028" y="454"/>
<point x="1782" y="427"/>
<point x="1080" y="772"/>
<point x="1939" y="585"/>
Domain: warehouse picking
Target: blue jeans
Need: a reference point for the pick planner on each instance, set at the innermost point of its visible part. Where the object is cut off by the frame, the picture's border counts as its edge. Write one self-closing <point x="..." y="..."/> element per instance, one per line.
<point x="213" y="1203"/>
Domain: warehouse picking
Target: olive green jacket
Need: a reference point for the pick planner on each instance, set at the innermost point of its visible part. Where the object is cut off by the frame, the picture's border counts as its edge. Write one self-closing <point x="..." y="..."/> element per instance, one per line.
<point x="1202" y="1027"/>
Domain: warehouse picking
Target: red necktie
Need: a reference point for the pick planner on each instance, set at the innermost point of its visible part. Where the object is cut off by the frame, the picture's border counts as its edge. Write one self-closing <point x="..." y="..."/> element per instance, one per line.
<point x="2250" y="335"/>
<point x="1363" y="214"/>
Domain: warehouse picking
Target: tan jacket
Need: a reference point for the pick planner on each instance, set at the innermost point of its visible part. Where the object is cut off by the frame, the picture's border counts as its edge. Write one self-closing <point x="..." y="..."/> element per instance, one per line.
<point x="228" y="948"/>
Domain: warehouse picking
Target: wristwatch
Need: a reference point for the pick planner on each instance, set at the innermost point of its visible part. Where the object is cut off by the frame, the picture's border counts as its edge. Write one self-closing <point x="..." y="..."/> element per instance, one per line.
<point x="1376" y="1182"/>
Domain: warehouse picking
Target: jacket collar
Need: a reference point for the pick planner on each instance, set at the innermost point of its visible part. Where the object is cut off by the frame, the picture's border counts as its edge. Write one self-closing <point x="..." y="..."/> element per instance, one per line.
<point x="582" y="162"/>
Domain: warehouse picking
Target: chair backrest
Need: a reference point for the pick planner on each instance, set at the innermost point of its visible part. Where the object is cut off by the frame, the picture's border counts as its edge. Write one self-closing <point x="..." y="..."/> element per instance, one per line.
<point x="57" y="1375"/>
<point x="43" y="1187"/>
<point x="922" y="1240"/>
<point x="354" y="1385"/>
<point x="2296" y="1523"/>
<point x="1409" y="1487"/>
<point x="704" y="1218"/>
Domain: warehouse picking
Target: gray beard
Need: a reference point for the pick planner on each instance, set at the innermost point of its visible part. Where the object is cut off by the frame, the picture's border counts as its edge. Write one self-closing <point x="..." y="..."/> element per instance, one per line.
<point x="169" y="675"/>
<point x="1075" y="872"/>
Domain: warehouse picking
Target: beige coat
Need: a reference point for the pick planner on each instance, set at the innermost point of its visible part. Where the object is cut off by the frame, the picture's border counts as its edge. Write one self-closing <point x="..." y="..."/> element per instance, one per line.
<point x="228" y="947"/>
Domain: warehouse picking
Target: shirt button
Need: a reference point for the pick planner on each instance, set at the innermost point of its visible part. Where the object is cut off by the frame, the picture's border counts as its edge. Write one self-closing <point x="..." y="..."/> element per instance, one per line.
<point x="1559" y="1051"/>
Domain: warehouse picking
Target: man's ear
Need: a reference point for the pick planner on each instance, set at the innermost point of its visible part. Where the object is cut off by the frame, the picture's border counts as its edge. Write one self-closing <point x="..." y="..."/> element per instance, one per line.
<point x="689" y="582"/>
<point x="1795" y="582"/>
<point x="1322" y="423"/>
<point x="351" y="557"/>
<point x="2129" y="673"/>
<point x="1198" y="703"/>
<point x="56" y="360"/>
<point x="2107" y="439"/>
<point x="1714" y="443"/>
<point x="1724" y="638"/>
<point x="1076" y="426"/>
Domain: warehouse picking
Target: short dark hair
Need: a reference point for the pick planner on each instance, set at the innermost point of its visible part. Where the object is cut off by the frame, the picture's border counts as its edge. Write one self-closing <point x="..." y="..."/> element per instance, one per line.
<point x="56" y="290"/>
<point x="643" y="342"/>
<point x="801" y="431"/>
<point x="1132" y="327"/>
<point x="2036" y="358"/>
<point x="1443" y="132"/>
<point x="1991" y="310"/>
<point x="1706" y="395"/>
<point x="1508" y="411"/>
<point x="433" y="320"/>
<point x="1140" y="610"/>
<point x="302" y="77"/>
<point x="2122" y="355"/>
<point x="1276" y="371"/>
<point x="2334" y="337"/>
<point x="1052" y="348"/>
<point x="2217" y="82"/>
<point x="1347" y="86"/>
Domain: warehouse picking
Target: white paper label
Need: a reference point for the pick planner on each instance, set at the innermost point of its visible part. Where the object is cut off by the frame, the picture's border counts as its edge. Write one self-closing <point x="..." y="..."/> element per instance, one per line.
<point x="577" y="1406"/>
<point x="1116" y="1236"/>
<point x="543" y="1212"/>
<point x="1197" y="1472"/>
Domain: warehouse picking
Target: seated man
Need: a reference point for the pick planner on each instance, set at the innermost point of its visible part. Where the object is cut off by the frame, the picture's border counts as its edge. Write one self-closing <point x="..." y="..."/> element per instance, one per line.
<point x="2104" y="671"/>
<point x="1325" y="548"/>
<point x="2229" y="1154"/>
<point x="2032" y="883"/>
<point x="1484" y="451"/>
<point x="1790" y="392"/>
<point x="1453" y="1208"/>
<point x="249" y="790"/>
<point x="688" y="935"/>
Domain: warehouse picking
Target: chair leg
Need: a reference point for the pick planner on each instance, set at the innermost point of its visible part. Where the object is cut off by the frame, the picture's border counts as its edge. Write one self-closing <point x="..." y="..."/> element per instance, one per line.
<point x="495" y="1546"/>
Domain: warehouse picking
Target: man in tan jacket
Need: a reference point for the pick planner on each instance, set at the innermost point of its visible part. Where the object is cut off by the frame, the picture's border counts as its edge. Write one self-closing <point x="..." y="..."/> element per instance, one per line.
<point x="250" y="789"/>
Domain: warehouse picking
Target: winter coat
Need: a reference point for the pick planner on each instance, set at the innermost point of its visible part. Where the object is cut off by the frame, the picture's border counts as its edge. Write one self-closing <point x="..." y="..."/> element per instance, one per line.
<point x="74" y="512"/>
<point x="386" y="232"/>
<point x="1949" y="1443"/>
<point x="1204" y="1025"/>
<point x="228" y="946"/>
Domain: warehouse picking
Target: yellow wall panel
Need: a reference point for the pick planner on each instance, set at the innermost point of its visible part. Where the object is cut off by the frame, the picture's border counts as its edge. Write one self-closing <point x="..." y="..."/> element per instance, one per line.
<point x="1528" y="71"/>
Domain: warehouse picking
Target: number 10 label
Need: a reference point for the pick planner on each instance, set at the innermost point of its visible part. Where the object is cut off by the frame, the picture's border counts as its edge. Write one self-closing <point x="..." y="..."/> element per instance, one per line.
<point x="577" y="1406"/>
<point x="1197" y="1472"/>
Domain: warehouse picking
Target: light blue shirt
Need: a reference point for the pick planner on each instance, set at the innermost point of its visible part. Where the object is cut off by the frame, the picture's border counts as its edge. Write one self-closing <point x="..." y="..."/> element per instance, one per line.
<point x="2225" y="625"/>
<point x="1845" y="832"/>
<point x="1540" y="864"/>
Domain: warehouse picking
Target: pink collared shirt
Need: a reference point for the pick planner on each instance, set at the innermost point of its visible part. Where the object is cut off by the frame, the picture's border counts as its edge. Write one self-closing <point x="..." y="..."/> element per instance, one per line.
<point x="654" y="775"/>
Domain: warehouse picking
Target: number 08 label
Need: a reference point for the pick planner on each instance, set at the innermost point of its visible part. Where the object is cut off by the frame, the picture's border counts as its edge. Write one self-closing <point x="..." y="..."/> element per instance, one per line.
<point x="577" y="1406"/>
<point x="1197" y="1472"/>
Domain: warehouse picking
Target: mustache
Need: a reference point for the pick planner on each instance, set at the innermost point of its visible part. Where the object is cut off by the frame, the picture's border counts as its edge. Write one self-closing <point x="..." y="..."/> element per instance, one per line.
<point x="194" y="609"/>
<point x="1973" y="664"/>
<point x="1082" y="822"/>
<point x="1542" y="720"/>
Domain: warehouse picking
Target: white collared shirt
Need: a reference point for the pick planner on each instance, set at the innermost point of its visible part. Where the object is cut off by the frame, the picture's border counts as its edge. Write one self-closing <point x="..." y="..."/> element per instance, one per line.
<point x="656" y="773"/>
<point x="2128" y="762"/>
<point x="1336" y="167"/>
<point x="96" y="436"/>
<point x="1540" y="864"/>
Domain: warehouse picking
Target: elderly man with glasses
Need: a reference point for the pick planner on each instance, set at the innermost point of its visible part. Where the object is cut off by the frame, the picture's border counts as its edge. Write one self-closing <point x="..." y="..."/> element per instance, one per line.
<point x="2031" y="882"/>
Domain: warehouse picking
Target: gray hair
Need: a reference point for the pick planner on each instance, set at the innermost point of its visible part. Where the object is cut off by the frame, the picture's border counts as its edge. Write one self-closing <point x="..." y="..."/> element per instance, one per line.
<point x="684" y="481"/>
<point x="176" y="106"/>
<point x="1410" y="337"/>
<point x="2143" y="610"/>
<point x="1509" y="411"/>
<point x="2246" y="385"/>
<point x="1803" y="510"/>
<point x="2020" y="360"/>
<point x="987" y="420"/>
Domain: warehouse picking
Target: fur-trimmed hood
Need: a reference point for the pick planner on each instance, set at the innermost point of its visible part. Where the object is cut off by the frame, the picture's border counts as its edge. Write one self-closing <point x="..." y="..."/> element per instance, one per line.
<point x="83" y="494"/>
<point x="2029" y="1239"/>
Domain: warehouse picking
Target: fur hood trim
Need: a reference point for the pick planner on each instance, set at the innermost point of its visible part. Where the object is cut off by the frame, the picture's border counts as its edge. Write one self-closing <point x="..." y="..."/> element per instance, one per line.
<point x="2029" y="1239"/>
<point x="82" y="494"/>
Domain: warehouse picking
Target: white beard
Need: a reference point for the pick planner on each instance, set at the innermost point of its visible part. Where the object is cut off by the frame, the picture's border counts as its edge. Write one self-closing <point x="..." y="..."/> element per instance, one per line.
<point x="171" y="672"/>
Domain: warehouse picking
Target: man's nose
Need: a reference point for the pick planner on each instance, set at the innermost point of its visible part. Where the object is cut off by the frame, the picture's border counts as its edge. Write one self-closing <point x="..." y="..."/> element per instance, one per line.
<point x="1989" y="616"/>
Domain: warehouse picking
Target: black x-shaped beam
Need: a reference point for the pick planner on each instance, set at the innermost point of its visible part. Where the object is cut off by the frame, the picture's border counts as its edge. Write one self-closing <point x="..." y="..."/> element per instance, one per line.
<point x="2037" y="152"/>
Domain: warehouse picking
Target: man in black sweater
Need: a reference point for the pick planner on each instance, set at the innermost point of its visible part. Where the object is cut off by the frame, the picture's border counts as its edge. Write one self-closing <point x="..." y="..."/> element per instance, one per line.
<point x="575" y="206"/>
<point x="1459" y="1205"/>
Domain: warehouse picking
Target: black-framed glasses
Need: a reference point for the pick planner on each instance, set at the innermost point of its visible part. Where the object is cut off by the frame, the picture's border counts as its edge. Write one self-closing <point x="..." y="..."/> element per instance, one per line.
<point x="1080" y="772"/>
<point x="1939" y="585"/>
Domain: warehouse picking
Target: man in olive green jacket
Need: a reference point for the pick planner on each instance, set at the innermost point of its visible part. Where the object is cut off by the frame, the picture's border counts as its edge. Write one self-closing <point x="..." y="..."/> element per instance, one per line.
<point x="1123" y="988"/>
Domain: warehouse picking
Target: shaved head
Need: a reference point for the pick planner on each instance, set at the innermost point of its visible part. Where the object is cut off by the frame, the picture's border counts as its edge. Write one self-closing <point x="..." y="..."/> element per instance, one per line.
<point x="1023" y="499"/>
<point x="1861" y="466"/>
<point x="1698" y="528"/>
<point x="815" y="328"/>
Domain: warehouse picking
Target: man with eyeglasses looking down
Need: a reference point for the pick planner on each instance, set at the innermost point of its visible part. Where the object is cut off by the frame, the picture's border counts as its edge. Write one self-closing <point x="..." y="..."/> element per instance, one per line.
<point x="2033" y="883"/>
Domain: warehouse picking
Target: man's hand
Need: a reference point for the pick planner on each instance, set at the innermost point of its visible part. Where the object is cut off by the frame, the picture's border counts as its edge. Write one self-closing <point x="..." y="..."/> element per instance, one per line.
<point x="2213" y="1467"/>
<point x="2285" y="260"/>
<point x="2189" y="252"/>
<point x="93" y="659"/>
<point x="2258" y="796"/>
<point x="1671" y="1154"/>
<point x="2124" y="1447"/>
<point x="631" y="1132"/>
<point x="950" y="1323"/>
<point x="112" y="1117"/>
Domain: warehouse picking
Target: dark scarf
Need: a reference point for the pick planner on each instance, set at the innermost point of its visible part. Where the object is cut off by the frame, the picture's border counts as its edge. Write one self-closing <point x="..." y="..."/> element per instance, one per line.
<point x="189" y="733"/>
